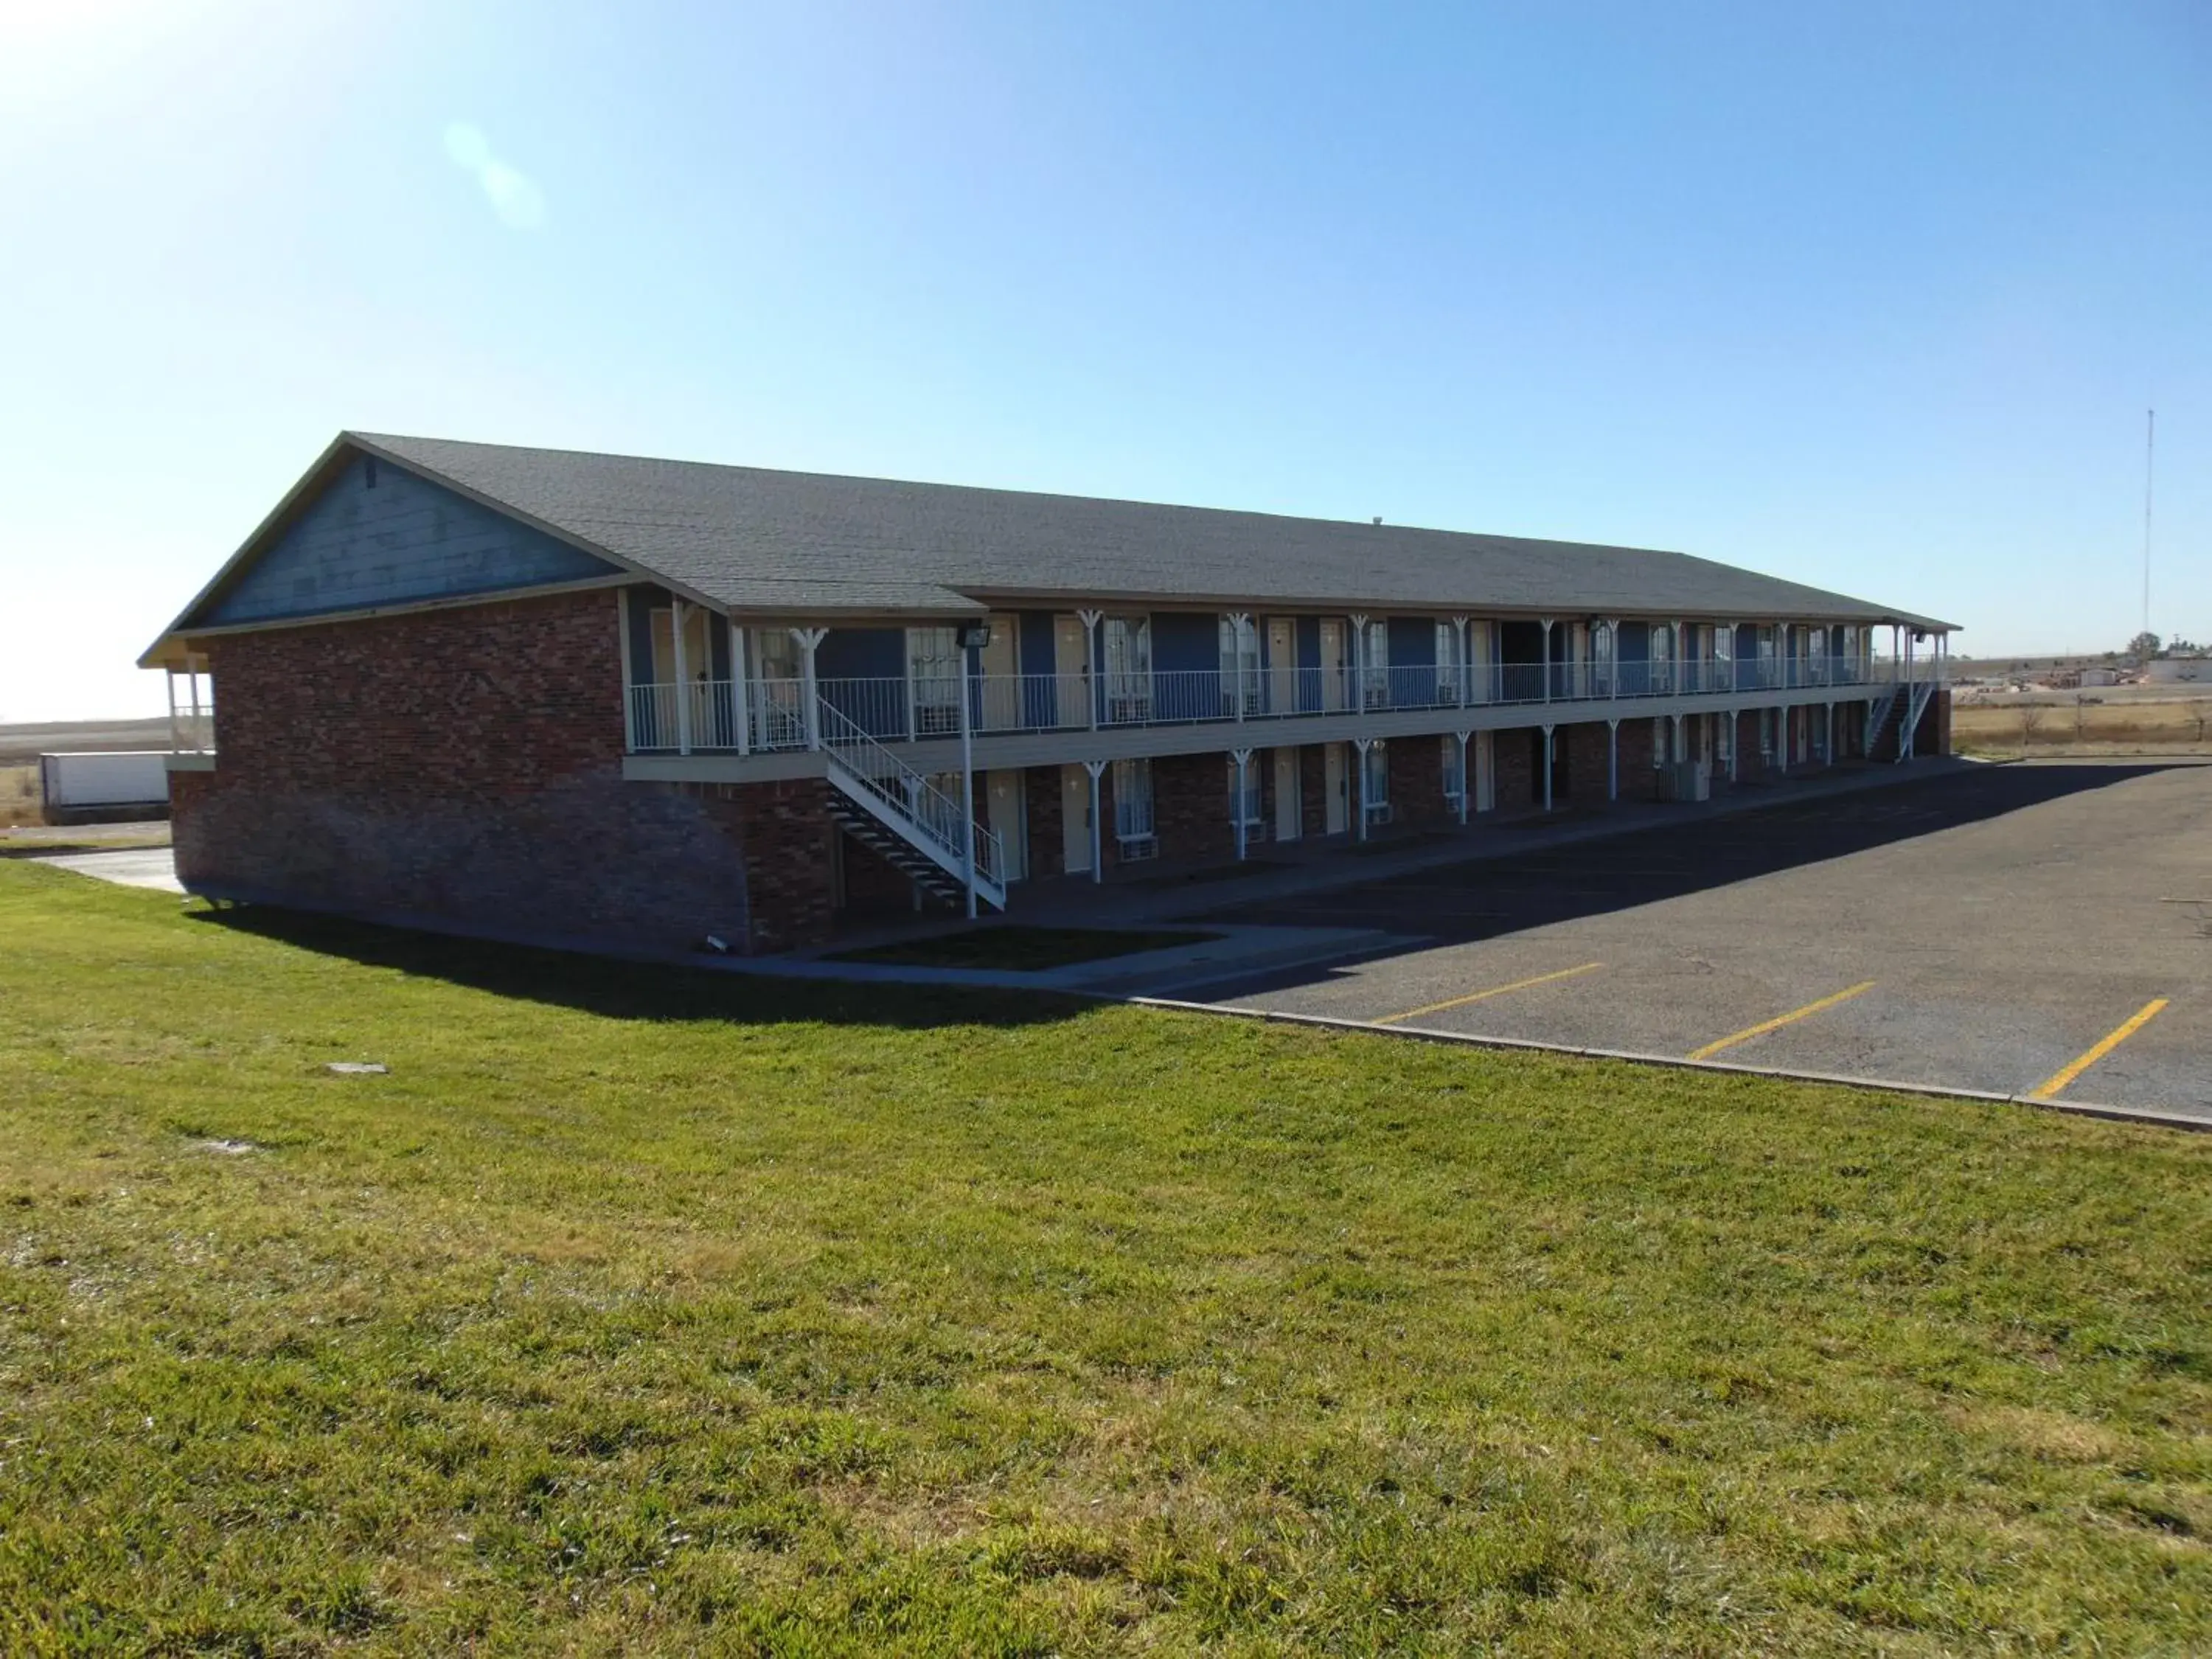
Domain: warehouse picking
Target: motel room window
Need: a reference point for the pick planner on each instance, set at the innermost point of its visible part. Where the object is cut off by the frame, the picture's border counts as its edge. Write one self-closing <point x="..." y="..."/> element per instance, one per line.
<point x="1133" y="810"/>
<point x="1374" y="768"/>
<point x="1659" y="742"/>
<point x="1455" y="775"/>
<point x="1662" y="658"/>
<point x="1375" y="664"/>
<point x="1125" y="645"/>
<point x="1250" y="804"/>
<point x="1240" y="665"/>
<point x="1724" y="747"/>
<point x="1602" y="656"/>
<point x="933" y="662"/>
<point x="1451" y="661"/>
<point x="1766" y="734"/>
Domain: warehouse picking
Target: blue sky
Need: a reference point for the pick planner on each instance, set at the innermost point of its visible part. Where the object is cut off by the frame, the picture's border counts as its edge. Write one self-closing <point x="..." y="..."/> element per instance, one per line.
<point x="1871" y="295"/>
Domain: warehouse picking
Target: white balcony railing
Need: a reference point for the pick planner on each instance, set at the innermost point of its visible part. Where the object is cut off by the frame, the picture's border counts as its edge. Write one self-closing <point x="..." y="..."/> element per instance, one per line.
<point x="768" y="714"/>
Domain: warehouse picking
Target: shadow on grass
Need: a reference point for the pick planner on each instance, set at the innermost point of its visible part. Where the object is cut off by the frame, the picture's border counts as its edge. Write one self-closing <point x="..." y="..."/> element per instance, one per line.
<point x="616" y="989"/>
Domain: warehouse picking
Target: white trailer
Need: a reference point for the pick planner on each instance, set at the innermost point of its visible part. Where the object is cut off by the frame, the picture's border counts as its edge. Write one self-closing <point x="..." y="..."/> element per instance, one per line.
<point x="109" y="785"/>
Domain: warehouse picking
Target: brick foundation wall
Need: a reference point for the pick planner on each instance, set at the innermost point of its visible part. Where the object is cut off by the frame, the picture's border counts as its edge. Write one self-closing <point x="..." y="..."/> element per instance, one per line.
<point x="1313" y="790"/>
<point x="1048" y="841"/>
<point x="1417" y="783"/>
<point x="463" y="767"/>
<point x="1582" y="750"/>
<point x="1190" y="807"/>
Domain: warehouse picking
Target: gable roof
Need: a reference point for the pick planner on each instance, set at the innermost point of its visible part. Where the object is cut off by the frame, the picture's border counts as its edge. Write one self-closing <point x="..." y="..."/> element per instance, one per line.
<point x="750" y="539"/>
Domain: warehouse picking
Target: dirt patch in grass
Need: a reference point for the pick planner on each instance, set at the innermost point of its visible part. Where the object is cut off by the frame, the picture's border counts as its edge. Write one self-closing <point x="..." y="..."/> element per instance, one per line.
<point x="1022" y="950"/>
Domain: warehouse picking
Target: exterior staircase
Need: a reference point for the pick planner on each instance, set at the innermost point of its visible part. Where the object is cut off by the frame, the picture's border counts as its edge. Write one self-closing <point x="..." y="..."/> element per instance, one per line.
<point x="895" y="811"/>
<point x="1881" y="724"/>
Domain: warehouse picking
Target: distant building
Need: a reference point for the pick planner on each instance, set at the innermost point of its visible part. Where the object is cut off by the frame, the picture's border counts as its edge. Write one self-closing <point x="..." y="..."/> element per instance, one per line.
<point x="595" y="698"/>
<point x="2178" y="670"/>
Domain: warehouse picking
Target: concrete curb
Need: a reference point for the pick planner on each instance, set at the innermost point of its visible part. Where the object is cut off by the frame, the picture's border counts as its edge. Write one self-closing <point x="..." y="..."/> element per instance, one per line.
<point x="2141" y="1114"/>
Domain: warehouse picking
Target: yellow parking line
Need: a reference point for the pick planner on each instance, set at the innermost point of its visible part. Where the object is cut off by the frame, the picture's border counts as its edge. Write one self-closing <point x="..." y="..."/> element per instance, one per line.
<point x="2142" y="1017"/>
<point x="1781" y="1020"/>
<point x="1494" y="991"/>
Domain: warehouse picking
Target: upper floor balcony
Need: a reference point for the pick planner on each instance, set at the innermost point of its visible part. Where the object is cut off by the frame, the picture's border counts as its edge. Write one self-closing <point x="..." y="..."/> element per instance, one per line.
<point x="766" y="714"/>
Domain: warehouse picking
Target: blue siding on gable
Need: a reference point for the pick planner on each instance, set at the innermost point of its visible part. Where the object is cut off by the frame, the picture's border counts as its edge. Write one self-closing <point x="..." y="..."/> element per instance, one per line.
<point x="406" y="539"/>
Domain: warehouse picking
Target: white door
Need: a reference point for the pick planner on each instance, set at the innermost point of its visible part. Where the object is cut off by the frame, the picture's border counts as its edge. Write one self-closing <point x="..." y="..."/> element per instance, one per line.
<point x="1334" y="780"/>
<point x="999" y="702"/>
<point x="1332" y="663"/>
<point x="1289" y="801"/>
<point x="1075" y="818"/>
<point x="1009" y="817"/>
<point x="1071" y="665"/>
<point x="1282" y="664"/>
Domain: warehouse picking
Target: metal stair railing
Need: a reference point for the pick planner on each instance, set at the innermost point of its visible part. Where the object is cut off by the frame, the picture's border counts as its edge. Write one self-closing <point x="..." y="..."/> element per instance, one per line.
<point x="1877" y="709"/>
<point x="910" y="805"/>
<point x="1923" y="694"/>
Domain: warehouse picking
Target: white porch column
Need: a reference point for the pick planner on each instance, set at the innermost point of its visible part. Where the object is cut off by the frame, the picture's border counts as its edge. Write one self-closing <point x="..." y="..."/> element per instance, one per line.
<point x="1244" y="759"/>
<point x="1681" y="662"/>
<point x="1466" y="779"/>
<point x="1547" y="768"/>
<point x="739" y="704"/>
<point x="806" y="639"/>
<point x="1546" y="623"/>
<point x="176" y="735"/>
<point x="1357" y="701"/>
<point x="1465" y="668"/>
<point x="1238" y="622"/>
<point x="1097" y="683"/>
<point x="682" y="676"/>
<point x="1612" y="759"/>
<point x="1097" y="830"/>
<point x="968" y="779"/>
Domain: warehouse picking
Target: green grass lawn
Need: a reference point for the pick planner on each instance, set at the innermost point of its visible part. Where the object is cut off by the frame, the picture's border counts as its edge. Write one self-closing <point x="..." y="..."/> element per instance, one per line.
<point x="1023" y="950"/>
<point x="644" y="1311"/>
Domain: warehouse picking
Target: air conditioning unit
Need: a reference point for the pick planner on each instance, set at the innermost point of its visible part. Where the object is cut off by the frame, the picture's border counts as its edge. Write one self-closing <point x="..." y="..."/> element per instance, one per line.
<point x="1691" y="781"/>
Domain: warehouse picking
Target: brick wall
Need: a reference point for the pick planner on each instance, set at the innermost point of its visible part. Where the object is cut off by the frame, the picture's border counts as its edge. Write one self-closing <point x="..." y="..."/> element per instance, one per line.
<point x="1190" y="807"/>
<point x="1047" y="839"/>
<point x="1313" y="790"/>
<point x="1583" y="751"/>
<point x="464" y="767"/>
<point x="1417" y="783"/>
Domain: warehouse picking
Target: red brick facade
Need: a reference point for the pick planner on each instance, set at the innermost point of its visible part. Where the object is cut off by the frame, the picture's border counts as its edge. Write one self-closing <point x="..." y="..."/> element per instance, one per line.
<point x="463" y="767"/>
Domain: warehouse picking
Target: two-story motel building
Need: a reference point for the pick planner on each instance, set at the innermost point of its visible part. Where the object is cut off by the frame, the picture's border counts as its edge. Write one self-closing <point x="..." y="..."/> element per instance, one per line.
<point x="535" y="692"/>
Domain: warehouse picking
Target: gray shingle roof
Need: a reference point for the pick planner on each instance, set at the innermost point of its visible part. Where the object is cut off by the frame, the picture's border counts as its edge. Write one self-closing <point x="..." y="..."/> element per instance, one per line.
<point x="800" y="544"/>
<point x="754" y="539"/>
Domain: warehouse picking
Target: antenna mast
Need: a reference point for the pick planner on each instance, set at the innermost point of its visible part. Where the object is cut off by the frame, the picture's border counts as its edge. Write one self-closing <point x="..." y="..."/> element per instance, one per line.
<point x="2150" y="443"/>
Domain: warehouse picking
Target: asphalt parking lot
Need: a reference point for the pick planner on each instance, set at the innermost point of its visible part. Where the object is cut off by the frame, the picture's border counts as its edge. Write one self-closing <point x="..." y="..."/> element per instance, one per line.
<point x="2028" y="929"/>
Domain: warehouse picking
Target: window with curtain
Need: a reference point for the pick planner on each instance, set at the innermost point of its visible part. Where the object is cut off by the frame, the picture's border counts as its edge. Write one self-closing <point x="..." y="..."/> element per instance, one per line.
<point x="1248" y="806"/>
<point x="1133" y="808"/>
<point x="1451" y="644"/>
<point x="1375" y="664"/>
<point x="932" y="666"/>
<point x="1455" y="774"/>
<point x="1240" y="665"/>
<point x="1374" y="766"/>
<point x="1125" y="645"/>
